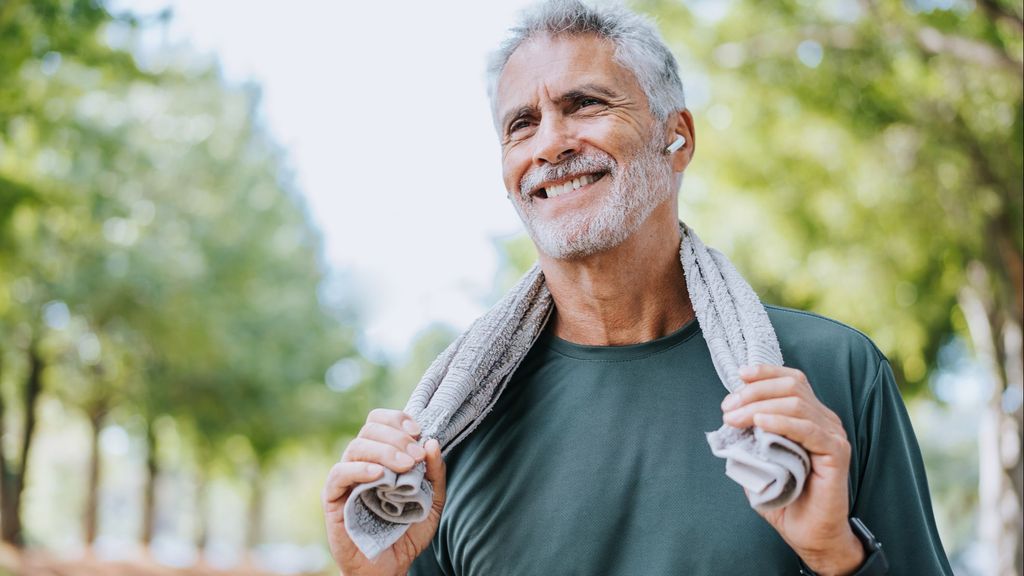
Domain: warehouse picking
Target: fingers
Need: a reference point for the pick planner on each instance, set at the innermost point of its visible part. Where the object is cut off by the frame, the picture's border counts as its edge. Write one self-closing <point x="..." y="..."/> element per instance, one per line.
<point x="394" y="418"/>
<point x="388" y="438"/>
<point x="366" y="450"/>
<point x="743" y="417"/>
<point x="436" y="471"/>
<point x="762" y="371"/>
<point x="806" y="433"/>
<point x="392" y="436"/>
<point x="784" y="397"/>
<point x="774" y="387"/>
<point x="344" y="475"/>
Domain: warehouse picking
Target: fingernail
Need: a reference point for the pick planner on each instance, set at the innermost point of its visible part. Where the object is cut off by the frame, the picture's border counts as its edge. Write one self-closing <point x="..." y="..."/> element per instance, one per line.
<point x="730" y="402"/>
<point x="374" y="468"/>
<point x="746" y="371"/>
<point x="411" y="427"/>
<point x="415" y="450"/>
<point x="404" y="459"/>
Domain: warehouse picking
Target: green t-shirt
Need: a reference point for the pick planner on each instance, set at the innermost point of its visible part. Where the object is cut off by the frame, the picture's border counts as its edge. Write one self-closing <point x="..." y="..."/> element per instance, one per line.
<point x="594" y="461"/>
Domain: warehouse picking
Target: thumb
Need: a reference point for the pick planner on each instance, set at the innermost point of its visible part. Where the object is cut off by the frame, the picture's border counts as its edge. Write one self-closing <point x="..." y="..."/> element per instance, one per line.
<point x="436" y="472"/>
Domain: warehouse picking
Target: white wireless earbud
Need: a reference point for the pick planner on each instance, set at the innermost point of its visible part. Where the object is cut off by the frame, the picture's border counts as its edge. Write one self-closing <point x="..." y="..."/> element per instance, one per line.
<point x="676" y="144"/>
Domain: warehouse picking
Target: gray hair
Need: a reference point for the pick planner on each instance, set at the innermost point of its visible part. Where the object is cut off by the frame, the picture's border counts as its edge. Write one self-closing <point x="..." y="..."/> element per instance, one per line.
<point x="638" y="47"/>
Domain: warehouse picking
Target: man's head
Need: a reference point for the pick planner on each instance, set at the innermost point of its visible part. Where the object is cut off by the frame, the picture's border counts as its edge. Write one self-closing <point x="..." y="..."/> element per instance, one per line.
<point x="585" y="100"/>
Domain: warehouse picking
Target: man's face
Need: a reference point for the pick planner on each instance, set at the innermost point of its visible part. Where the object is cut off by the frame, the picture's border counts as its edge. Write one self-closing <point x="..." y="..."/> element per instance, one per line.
<point x="581" y="152"/>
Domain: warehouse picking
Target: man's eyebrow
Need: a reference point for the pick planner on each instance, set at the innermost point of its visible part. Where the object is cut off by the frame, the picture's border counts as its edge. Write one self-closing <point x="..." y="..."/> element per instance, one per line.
<point x="568" y="96"/>
<point x="587" y="90"/>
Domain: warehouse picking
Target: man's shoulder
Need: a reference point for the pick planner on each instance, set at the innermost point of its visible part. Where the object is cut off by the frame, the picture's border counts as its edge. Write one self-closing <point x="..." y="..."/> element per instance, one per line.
<point x="807" y="335"/>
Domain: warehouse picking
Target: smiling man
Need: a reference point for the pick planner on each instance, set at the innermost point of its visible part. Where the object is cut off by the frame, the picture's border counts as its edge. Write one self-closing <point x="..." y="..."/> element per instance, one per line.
<point x="584" y="451"/>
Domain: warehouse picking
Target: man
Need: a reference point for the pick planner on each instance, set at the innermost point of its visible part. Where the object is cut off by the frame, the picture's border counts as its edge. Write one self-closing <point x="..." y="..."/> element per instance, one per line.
<point x="593" y="459"/>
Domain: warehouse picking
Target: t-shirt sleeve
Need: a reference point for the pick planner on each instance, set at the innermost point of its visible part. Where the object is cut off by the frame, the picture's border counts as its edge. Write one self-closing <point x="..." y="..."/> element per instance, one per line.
<point x="426" y="564"/>
<point x="892" y="496"/>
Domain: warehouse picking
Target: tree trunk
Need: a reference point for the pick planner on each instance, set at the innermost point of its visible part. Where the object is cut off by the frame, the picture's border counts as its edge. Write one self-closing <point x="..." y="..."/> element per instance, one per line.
<point x="14" y="481"/>
<point x="149" y="491"/>
<point x="254" y="530"/>
<point x="202" y="532"/>
<point x="5" y="495"/>
<point x="6" y="474"/>
<point x="96" y="417"/>
<point x="996" y="336"/>
<point x="10" y="520"/>
<point x="1012" y="439"/>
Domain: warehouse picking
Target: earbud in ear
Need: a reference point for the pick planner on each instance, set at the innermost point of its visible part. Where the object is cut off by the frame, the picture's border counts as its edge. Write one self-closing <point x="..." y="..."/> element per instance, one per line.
<point x="676" y="144"/>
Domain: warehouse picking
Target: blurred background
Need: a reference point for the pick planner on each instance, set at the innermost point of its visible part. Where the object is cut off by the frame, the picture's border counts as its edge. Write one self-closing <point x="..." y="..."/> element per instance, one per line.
<point x="229" y="229"/>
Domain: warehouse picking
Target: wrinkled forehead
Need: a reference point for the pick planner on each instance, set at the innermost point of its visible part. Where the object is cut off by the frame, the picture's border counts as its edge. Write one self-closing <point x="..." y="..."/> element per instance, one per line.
<point x="546" y="66"/>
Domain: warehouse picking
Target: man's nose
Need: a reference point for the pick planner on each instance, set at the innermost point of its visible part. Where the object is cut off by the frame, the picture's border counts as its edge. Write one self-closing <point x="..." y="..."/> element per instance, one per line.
<point x="553" y="142"/>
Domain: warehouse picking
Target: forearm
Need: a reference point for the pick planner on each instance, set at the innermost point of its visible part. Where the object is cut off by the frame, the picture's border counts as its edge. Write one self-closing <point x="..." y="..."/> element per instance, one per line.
<point x="842" y="559"/>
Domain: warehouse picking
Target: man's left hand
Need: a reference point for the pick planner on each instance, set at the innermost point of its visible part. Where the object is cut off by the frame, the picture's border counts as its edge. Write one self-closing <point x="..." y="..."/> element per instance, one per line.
<point x="780" y="400"/>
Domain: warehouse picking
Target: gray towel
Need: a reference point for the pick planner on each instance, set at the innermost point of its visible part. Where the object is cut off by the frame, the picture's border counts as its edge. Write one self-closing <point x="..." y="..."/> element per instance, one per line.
<point x="463" y="383"/>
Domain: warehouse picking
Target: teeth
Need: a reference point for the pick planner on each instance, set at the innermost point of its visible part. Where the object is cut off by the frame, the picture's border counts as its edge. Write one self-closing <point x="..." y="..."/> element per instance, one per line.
<point x="575" y="183"/>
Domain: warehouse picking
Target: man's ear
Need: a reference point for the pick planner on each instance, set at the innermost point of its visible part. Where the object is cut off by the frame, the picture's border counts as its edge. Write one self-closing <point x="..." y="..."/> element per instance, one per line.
<point x="680" y="123"/>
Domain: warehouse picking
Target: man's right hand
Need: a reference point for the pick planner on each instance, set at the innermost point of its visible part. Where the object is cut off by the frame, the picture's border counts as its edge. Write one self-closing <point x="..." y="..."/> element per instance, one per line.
<point x="387" y="439"/>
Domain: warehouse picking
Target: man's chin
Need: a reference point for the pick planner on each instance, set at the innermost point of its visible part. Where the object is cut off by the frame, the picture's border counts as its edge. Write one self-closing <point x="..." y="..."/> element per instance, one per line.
<point x="576" y="244"/>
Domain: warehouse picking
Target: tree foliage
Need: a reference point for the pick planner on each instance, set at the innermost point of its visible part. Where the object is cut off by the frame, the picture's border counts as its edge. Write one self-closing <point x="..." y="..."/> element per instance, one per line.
<point x="854" y="157"/>
<point x="154" y="252"/>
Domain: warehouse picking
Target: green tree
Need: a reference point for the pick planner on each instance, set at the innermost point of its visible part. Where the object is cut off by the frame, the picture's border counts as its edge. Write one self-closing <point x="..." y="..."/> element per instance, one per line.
<point x="36" y="40"/>
<point x="154" y="255"/>
<point x="865" y="160"/>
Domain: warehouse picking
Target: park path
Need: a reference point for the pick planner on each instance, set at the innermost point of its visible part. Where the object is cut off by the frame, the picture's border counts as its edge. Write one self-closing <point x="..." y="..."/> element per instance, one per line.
<point x="17" y="563"/>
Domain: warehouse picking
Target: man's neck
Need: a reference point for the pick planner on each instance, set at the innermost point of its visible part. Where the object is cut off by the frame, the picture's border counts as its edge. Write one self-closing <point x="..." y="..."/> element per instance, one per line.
<point x="635" y="292"/>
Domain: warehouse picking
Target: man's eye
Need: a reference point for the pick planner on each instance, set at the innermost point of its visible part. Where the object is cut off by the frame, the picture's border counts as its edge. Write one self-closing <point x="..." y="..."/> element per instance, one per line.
<point x="517" y="125"/>
<point x="588" y="101"/>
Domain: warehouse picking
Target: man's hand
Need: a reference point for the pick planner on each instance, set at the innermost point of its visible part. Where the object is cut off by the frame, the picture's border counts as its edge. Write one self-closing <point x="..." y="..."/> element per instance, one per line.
<point x="387" y="439"/>
<point x="780" y="400"/>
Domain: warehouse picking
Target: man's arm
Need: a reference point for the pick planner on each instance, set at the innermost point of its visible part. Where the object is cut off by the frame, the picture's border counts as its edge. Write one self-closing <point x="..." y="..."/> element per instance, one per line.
<point x="892" y="496"/>
<point x="779" y="399"/>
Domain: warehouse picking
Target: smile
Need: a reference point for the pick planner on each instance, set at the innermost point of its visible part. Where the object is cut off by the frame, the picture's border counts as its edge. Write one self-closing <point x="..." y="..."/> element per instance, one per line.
<point x="556" y="190"/>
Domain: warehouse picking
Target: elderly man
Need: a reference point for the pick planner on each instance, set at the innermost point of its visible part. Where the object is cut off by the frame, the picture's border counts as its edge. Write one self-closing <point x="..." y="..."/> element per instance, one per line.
<point x="590" y="455"/>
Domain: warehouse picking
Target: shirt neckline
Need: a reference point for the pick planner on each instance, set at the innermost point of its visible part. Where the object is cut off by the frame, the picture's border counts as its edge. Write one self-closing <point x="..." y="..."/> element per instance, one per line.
<point x="619" y="353"/>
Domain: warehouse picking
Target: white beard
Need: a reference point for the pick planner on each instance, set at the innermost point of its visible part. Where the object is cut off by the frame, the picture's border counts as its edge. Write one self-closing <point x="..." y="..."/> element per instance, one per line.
<point x="636" y="189"/>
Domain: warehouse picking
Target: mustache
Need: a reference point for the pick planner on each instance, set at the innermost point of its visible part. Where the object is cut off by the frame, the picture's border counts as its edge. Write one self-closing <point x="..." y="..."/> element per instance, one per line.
<point x="576" y="165"/>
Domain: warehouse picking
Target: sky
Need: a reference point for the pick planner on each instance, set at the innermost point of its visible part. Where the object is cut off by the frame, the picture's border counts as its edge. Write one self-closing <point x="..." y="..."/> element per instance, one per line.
<point x="381" y="108"/>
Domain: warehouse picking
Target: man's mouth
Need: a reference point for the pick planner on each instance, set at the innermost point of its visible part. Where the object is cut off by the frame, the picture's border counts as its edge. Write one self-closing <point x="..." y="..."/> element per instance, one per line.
<point x="556" y="190"/>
